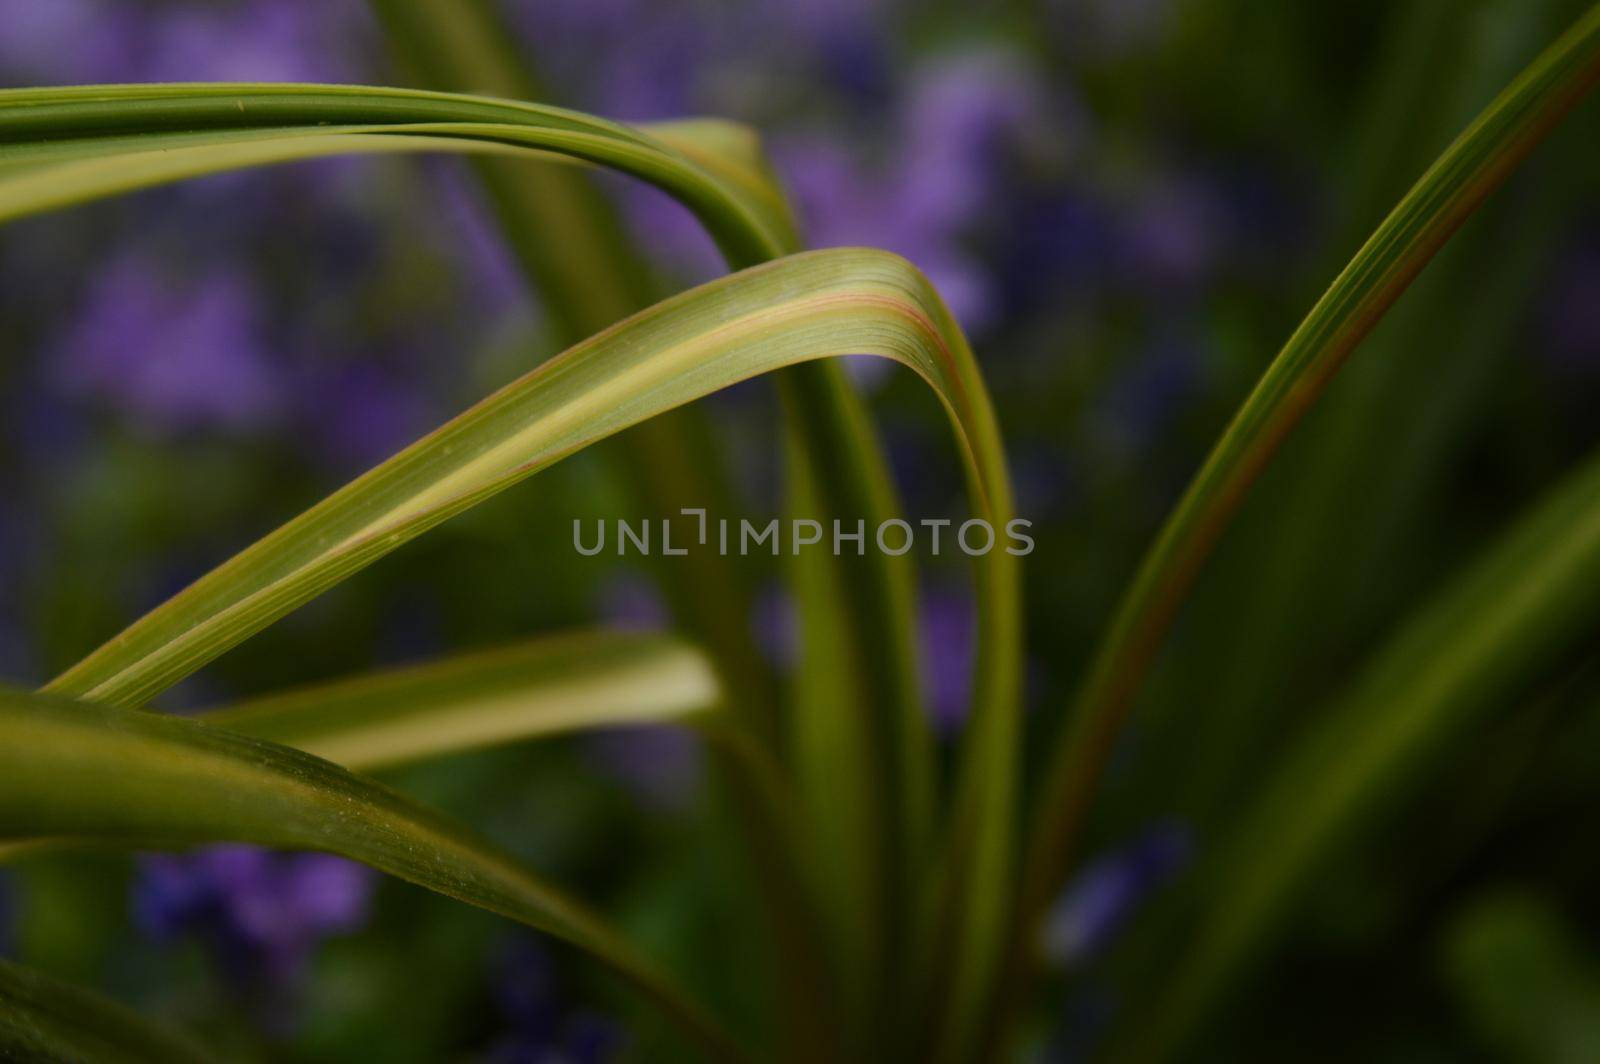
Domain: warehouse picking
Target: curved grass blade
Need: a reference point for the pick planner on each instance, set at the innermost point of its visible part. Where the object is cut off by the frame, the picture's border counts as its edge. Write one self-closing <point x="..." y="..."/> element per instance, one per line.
<point x="1500" y="627"/>
<point x="870" y="779"/>
<point x="1470" y="169"/>
<point x="801" y="308"/>
<point x="548" y="686"/>
<point x="545" y="687"/>
<point x="63" y="146"/>
<point x="45" y="1019"/>
<point x="67" y="145"/>
<point x="1364" y="464"/>
<point x="871" y="717"/>
<point x="96" y="772"/>
<point x="572" y="248"/>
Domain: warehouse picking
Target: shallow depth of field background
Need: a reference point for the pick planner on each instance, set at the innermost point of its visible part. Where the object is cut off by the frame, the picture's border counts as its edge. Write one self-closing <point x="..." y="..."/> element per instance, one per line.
<point x="1127" y="203"/>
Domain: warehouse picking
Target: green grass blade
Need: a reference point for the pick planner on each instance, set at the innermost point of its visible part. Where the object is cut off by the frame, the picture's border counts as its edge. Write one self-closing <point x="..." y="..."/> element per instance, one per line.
<point x="68" y="145"/>
<point x="572" y="248"/>
<point x="45" y="1019"/>
<point x="1369" y="457"/>
<point x="544" y="687"/>
<point x="63" y="146"/>
<point x="96" y="772"/>
<point x="1471" y="168"/>
<point x="801" y="308"/>
<point x="1503" y="625"/>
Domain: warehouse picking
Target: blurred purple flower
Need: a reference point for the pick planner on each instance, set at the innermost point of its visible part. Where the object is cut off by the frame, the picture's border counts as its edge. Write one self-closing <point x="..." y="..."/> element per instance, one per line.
<point x="676" y="238"/>
<point x="174" y="354"/>
<point x="261" y="913"/>
<point x="473" y="239"/>
<point x="948" y="639"/>
<point x="633" y="604"/>
<point x="777" y="627"/>
<point x="659" y="764"/>
<point x="542" y="1027"/>
<point x="843" y="203"/>
<point x="64" y="41"/>
<point x="1098" y="903"/>
<point x="259" y="40"/>
<point x="1140" y="401"/>
<point x="628" y="59"/>
<point x="946" y="645"/>
<point x="1571" y="312"/>
<point x="957" y="119"/>
<point x="961" y="116"/>
<point x="69" y="41"/>
<point x="1054" y="250"/>
<point x="1174" y="235"/>
<point x="364" y="412"/>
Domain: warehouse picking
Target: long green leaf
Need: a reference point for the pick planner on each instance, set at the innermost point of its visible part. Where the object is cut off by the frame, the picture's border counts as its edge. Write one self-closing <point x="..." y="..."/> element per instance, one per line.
<point x="544" y="687"/>
<point x="1472" y="167"/>
<point x="548" y="686"/>
<point x="801" y="308"/>
<point x="573" y="249"/>
<point x="59" y="146"/>
<point x="572" y="246"/>
<point x="63" y="146"/>
<point x="804" y="307"/>
<point x="45" y="1019"/>
<point x="1500" y="627"/>
<point x="1373" y="452"/>
<point x="96" y="772"/>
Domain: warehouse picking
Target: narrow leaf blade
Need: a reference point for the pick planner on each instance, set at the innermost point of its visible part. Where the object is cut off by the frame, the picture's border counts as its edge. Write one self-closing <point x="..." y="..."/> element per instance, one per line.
<point x="42" y="1018"/>
<point x="96" y="772"/>
<point x="545" y="687"/>
<point x="1498" y="628"/>
<point x="1469" y="170"/>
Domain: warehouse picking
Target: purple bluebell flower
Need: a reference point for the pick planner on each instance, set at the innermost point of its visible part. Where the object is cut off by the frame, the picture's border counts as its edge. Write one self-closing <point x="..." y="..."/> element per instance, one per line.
<point x="173" y="353"/>
<point x="542" y="1026"/>
<point x="1101" y="899"/>
<point x="261" y="913"/>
